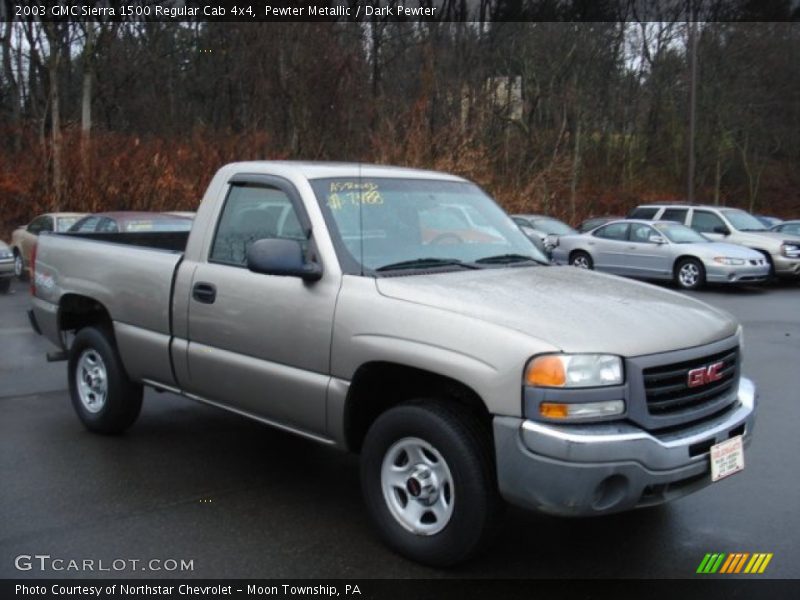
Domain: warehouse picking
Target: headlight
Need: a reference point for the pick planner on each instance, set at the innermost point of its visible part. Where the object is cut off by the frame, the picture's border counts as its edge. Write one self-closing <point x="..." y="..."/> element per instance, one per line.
<point x="724" y="260"/>
<point x="790" y="250"/>
<point x="574" y="370"/>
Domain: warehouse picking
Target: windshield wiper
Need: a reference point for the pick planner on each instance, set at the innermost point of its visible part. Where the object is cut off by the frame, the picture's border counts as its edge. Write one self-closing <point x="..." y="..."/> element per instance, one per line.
<point x="753" y="229"/>
<point x="425" y="263"/>
<point x="505" y="259"/>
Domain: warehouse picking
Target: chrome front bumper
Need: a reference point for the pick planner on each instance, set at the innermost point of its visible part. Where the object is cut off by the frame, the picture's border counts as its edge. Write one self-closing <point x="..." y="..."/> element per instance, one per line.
<point x="593" y="469"/>
<point x="716" y="273"/>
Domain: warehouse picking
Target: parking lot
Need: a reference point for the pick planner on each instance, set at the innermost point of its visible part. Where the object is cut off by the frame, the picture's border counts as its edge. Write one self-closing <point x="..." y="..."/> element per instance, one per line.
<point x="189" y="482"/>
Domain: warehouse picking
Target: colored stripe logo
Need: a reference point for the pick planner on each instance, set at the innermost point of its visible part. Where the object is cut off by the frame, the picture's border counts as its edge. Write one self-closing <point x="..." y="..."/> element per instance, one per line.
<point x="736" y="562"/>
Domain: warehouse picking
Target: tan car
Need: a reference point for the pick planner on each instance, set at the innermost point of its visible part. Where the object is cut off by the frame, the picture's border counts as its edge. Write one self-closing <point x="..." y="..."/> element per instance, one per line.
<point x="24" y="237"/>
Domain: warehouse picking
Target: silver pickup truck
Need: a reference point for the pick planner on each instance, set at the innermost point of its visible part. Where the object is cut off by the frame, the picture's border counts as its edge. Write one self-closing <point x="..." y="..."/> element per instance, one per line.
<point x="355" y="306"/>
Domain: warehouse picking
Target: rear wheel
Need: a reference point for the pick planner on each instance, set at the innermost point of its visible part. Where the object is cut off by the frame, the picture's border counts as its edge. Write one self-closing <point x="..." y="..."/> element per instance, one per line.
<point x="106" y="400"/>
<point x="690" y="274"/>
<point x="19" y="266"/>
<point x="581" y="260"/>
<point x="428" y="480"/>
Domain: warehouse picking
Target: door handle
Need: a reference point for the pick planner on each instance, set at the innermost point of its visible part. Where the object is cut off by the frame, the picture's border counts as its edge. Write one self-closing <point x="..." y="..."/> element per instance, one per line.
<point x="631" y="247"/>
<point x="204" y="292"/>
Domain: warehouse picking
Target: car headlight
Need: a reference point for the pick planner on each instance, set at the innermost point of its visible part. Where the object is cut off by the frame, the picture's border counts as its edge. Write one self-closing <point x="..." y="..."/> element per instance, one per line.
<point x="574" y="370"/>
<point x="790" y="250"/>
<point x="725" y="260"/>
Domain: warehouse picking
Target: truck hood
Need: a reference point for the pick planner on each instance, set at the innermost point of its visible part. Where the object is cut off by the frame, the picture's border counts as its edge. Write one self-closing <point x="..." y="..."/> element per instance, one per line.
<point x="571" y="309"/>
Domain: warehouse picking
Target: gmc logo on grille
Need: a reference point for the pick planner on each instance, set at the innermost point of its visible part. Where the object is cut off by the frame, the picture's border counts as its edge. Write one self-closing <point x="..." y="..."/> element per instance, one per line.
<point x="704" y="375"/>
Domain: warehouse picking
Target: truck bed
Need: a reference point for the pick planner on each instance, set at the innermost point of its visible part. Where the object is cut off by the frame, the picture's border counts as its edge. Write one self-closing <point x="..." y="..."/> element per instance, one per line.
<point x="131" y="275"/>
<point x="174" y="241"/>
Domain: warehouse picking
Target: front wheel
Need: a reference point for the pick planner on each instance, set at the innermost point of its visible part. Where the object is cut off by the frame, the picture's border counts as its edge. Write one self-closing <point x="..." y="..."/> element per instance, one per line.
<point x="428" y="480"/>
<point x="690" y="274"/>
<point x="581" y="260"/>
<point x="106" y="400"/>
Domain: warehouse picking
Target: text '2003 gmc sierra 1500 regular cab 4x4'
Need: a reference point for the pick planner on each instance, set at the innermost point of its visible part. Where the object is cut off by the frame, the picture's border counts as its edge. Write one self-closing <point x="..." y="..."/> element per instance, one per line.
<point x="354" y="305"/>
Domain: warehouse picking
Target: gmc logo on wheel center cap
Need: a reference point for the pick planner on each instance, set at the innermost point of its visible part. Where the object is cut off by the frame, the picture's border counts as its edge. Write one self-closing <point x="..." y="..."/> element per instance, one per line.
<point x="704" y="375"/>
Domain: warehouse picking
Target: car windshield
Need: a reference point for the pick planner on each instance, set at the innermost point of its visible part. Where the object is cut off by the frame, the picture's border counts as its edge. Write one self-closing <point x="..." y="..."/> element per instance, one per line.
<point x="64" y="223"/>
<point x="386" y="223"/>
<point x="553" y="226"/>
<point x="680" y="234"/>
<point x="743" y="221"/>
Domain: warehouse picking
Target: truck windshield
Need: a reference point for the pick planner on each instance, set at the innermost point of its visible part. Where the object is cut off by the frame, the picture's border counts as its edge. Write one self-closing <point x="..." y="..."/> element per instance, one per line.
<point x="379" y="224"/>
<point x="743" y="221"/>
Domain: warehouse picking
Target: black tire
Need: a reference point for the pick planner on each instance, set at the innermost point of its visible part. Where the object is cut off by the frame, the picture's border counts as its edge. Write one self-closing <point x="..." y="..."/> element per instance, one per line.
<point x="19" y="266"/>
<point x="579" y="258"/>
<point x="690" y="274"/>
<point x="123" y="398"/>
<point x="465" y="447"/>
<point x="771" y="277"/>
<point x="5" y="285"/>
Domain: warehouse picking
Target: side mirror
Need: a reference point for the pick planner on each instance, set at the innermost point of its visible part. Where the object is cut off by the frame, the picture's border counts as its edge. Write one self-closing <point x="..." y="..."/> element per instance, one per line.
<point x="722" y="230"/>
<point x="657" y="239"/>
<point x="281" y="257"/>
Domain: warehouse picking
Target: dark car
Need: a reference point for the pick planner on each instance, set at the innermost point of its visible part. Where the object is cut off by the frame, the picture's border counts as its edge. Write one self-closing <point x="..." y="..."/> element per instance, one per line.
<point x="595" y="222"/>
<point x="130" y="222"/>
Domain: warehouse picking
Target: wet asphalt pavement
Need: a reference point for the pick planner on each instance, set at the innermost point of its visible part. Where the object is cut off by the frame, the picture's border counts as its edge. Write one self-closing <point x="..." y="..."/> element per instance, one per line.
<point x="238" y="499"/>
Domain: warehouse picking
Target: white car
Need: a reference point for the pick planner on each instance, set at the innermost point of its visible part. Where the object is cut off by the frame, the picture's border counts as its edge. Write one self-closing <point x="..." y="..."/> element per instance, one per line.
<point x="661" y="250"/>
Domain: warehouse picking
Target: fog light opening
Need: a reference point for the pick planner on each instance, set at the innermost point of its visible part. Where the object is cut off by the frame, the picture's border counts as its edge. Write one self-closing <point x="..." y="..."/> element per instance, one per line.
<point x="610" y="492"/>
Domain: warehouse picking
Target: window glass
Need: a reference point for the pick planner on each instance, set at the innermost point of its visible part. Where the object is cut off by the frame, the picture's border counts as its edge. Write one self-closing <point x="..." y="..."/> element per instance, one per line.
<point x="64" y="223"/>
<point x="793" y="228"/>
<point x="614" y="231"/>
<point x="86" y="225"/>
<point x="156" y="224"/>
<point x="251" y="214"/>
<point x="378" y="222"/>
<point x="706" y="222"/>
<point x="107" y="226"/>
<point x="680" y="234"/>
<point x="645" y="212"/>
<point x="641" y="233"/>
<point x="675" y="214"/>
<point x="743" y="221"/>
<point x="41" y="224"/>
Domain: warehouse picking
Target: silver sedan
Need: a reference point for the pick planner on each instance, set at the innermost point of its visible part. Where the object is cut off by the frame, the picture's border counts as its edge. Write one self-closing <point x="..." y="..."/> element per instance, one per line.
<point x="661" y="250"/>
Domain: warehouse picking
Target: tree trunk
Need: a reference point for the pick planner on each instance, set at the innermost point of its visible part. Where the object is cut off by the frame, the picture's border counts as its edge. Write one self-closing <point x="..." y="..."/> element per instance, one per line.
<point x="8" y="71"/>
<point x="55" y="110"/>
<point x="576" y="168"/>
<point x="88" y="76"/>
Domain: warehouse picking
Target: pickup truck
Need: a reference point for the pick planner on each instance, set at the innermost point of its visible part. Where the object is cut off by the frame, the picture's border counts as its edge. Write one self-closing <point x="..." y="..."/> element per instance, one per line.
<point x="465" y="371"/>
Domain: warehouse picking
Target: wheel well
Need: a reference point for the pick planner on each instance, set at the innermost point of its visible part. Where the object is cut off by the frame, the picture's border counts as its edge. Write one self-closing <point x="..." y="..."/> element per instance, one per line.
<point x="684" y="257"/>
<point x="76" y="312"/>
<point x="378" y="386"/>
<point x="578" y="251"/>
<point x="766" y="254"/>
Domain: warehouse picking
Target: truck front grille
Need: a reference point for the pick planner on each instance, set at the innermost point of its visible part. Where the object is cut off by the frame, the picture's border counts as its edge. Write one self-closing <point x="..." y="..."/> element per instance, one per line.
<point x="668" y="387"/>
